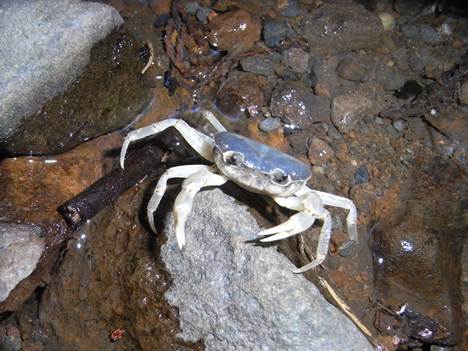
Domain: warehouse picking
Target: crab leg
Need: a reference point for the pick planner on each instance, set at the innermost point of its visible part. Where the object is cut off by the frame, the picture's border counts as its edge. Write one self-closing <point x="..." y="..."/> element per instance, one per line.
<point x="174" y="172"/>
<point x="323" y="243"/>
<point x="184" y="201"/>
<point x="200" y="142"/>
<point x="210" y="117"/>
<point x="351" y="219"/>
<point x="310" y="204"/>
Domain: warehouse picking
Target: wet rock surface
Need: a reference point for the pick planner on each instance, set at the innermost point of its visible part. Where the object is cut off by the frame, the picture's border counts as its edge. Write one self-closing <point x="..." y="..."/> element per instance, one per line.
<point x="249" y="299"/>
<point x="382" y="121"/>
<point x="36" y="118"/>
<point x="20" y="249"/>
<point x="342" y="25"/>
<point x="298" y="105"/>
<point x="32" y="188"/>
<point x="234" y="29"/>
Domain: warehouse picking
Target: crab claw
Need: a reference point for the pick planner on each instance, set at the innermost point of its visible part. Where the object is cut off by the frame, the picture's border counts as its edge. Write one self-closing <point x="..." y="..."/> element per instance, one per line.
<point x="295" y="224"/>
<point x="123" y="151"/>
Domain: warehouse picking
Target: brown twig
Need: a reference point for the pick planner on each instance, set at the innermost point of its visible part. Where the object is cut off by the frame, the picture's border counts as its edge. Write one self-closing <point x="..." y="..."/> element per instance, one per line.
<point x="89" y="202"/>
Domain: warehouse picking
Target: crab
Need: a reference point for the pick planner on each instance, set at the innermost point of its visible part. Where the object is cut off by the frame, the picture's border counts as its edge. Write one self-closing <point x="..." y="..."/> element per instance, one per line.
<point x="255" y="167"/>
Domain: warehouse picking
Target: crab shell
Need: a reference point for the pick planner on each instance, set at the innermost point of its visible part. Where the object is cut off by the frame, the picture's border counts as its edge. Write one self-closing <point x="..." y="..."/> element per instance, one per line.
<point x="259" y="163"/>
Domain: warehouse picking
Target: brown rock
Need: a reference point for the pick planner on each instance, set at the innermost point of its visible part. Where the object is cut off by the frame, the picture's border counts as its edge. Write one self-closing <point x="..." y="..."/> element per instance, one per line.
<point x="319" y="152"/>
<point x="349" y="108"/>
<point x="299" y="105"/>
<point x="112" y="280"/>
<point x="234" y="29"/>
<point x="31" y="189"/>
<point x="241" y="93"/>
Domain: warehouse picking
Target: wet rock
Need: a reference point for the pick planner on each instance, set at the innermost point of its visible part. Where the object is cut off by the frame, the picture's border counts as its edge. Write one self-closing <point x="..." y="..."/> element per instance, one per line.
<point x="416" y="257"/>
<point x="351" y="69"/>
<point x="241" y="93"/>
<point x="298" y="105"/>
<point x="191" y="7"/>
<point x="31" y="190"/>
<point x="269" y="124"/>
<point x="349" y="108"/>
<point x="109" y="278"/>
<point x="341" y="26"/>
<point x="327" y="82"/>
<point x="297" y="59"/>
<point x="274" y="33"/>
<point x="234" y="29"/>
<point x="35" y="116"/>
<point x="426" y="33"/>
<point x="261" y="64"/>
<point x="248" y="299"/>
<point x="289" y="8"/>
<point x="361" y="175"/>
<point x="203" y="13"/>
<point x="319" y="152"/>
<point x="463" y="94"/>
<point x="20" y="249"/>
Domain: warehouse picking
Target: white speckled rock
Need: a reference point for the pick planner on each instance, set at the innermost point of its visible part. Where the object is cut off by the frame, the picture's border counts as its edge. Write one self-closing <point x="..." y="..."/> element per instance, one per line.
<point x="20" y="250"/>
<point x="238" y="296"/>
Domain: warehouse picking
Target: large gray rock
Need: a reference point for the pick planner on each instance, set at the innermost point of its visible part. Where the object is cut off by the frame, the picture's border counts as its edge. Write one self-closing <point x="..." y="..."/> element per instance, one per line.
<point x="20" y="250"/>
<point x="44" y="46"/>
<point x="238" y="296"/>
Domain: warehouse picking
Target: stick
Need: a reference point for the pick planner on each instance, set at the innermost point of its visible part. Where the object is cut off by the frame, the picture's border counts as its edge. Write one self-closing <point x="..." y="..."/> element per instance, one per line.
<point x="89" y="202"/>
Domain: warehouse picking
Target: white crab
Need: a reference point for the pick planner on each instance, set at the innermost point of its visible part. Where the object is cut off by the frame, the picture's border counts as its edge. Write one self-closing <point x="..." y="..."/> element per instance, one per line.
<point x="253" y="166"/>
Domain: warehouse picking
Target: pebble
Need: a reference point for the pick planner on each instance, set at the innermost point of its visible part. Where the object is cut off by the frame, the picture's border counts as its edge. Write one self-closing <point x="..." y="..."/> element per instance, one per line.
<point x="399" y="125"/>
<point x="298" y="104"/>
<point x="260" y="64"/>
<point x="297" y="59"/>
<point x="274" y="33"/>
<point x="269" y="124"/>
<point x="203" y="13"/>
<point x="234" y="29"/>
<point x="463" y="96"/>
<point x="361" y="175"/>
<point x="351" y="69"/>
<point x="319" y="152"/>
<point x="191" y="7"/>
<point x="290" y="8"/>
<point x="388" y="21"/>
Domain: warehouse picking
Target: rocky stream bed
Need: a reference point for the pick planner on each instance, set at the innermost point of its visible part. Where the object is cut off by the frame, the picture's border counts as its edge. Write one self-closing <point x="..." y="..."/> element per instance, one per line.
<point x="372" y="94"/>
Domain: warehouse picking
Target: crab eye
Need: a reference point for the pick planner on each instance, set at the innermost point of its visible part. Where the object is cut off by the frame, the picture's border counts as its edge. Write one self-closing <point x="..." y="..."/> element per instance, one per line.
<point x="234" y="158"/>
<point x="280" y="177"/>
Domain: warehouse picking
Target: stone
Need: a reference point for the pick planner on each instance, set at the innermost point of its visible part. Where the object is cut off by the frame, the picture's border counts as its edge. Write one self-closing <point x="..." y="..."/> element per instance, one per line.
<point x="361" y="175"/>
<point x="319" y="152"/>
<point x="350" y="107"/>
<point x="238" y="296"/>
<point x="297" y="59"/>
<point x="463" y="94"/>
<point x="31" y="190"/>
<point x="289" y="8"/>
<point x="298" y="105"/>
<point x="60" y="35"/>
<point x="261" y="64"/>
<point x="274" y="33"/>
<point x="269" y="124"/>
<point x="20" y="249"/>
<point x="234" y="29"/>
<point x="351" y="69"/>
<point x="341" y="26"/>
<point x="241" y="93"/>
